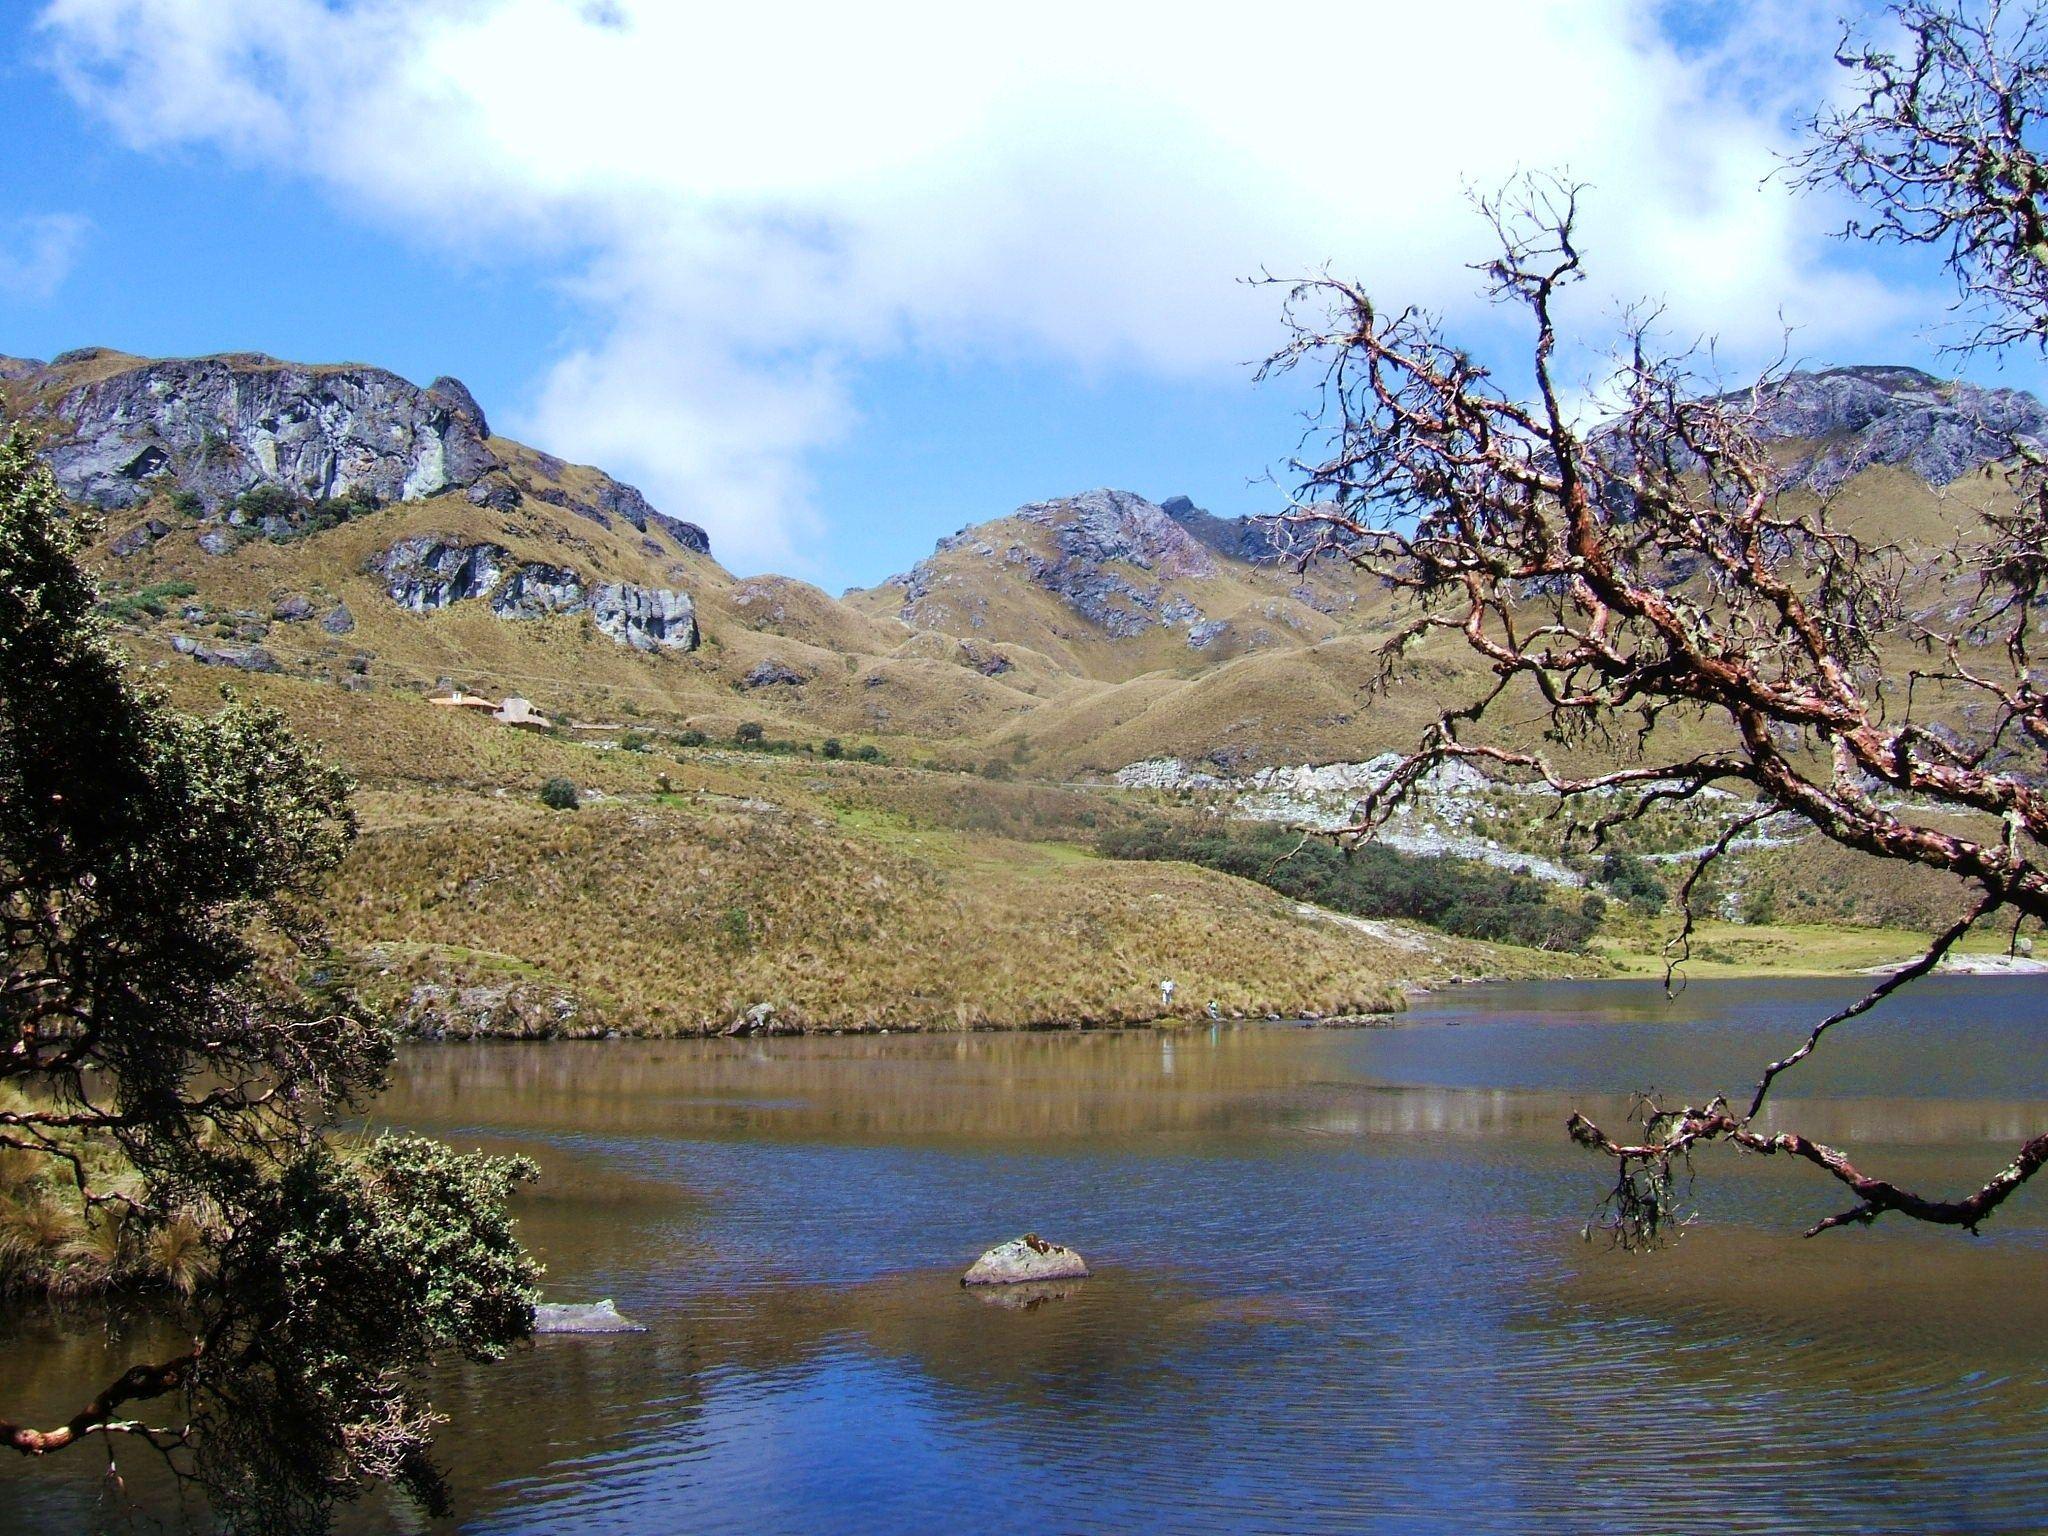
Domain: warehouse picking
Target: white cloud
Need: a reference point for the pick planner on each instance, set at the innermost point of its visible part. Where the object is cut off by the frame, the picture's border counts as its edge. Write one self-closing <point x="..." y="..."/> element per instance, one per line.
<point x="751" y="199"/>
<point x="38" y="252"/>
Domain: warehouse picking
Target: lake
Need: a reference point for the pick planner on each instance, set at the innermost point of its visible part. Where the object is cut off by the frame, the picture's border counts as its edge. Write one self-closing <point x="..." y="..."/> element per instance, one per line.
<point x="1339" y="1281"/>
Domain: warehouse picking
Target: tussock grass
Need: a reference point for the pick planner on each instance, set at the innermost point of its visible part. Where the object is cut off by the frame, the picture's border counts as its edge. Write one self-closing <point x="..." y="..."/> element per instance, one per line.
<point x="676" y="916"/>
<point x="51" y="1244"/>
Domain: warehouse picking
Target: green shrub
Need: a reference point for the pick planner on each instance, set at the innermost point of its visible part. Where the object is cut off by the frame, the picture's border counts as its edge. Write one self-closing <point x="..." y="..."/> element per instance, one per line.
<point x="867" y="752"/>
<point x="152" y="601"/>
<point x="1631" y="879"/>
<point x="736" y="930"/>
<point x="261" y="501"/>
<point x="749" y="734"/>
<point x="831" y="748"/>
<point x="692" y="738"/>
<point x="560" y="795"/>
<point x="1459" y="896"/>
<point x="187" y="503"/>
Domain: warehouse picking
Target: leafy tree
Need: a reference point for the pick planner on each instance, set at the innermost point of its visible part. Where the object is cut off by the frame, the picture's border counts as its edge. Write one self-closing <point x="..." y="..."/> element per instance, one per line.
<point x="153" y="870"/>
<point x="867" y="752"/>
<point x="832" y="749"/>
<point x="560" y="795"/>
<point x="749" y="734"/>
<point x="1654" y="571"/>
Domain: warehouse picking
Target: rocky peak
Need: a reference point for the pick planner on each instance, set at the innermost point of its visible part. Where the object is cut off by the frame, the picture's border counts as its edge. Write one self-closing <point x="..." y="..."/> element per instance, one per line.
<point x="222" y="426"/>
<point x="1256" y="541"/>
<point x="1111" y="556"/>
<point x="121" y="428"/>
<point x="1941" y="429"/>
<point x="455" y="394"/>
<point x="1100" y="527"/>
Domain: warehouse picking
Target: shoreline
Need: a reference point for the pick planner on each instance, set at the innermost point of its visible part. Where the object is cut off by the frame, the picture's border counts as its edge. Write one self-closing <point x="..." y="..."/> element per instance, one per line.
<point x="1975" y="968"/>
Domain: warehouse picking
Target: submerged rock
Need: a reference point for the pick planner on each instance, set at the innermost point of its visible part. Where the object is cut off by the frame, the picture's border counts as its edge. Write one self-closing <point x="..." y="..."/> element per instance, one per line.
<point x="1026" y="1258"/>
<point x="582" y="1317"/>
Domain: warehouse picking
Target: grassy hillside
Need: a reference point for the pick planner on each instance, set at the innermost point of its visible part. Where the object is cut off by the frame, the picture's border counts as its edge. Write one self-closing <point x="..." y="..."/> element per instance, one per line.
<point x="1054" y="646"/>
<point x="694" y="884"/>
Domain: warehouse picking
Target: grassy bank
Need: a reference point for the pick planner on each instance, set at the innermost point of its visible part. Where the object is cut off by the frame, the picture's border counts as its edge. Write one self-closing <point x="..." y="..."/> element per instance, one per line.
<point x="1729" y="950"/>
<point x="676" y="914"/>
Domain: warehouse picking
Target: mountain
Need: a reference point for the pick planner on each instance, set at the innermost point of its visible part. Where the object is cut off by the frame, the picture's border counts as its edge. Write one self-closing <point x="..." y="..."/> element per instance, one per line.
<point x="1842" y="421"/>
<point x="1110" y="586"/>
<point x="341" y="524"/>
<point x="126" y="429"/>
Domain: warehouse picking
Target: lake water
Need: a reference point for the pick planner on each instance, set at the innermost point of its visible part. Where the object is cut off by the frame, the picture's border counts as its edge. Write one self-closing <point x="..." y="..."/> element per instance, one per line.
<point x="1339" y="1282"/>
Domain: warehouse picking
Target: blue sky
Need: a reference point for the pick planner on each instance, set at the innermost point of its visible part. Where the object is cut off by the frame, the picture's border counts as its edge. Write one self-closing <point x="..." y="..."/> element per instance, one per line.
<point x="838" y="296"/>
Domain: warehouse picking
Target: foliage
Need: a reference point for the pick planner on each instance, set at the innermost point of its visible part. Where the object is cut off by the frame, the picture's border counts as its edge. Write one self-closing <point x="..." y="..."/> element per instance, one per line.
<point x="1629" y="878"/>
<point x="1470" y="899"/>
<point x="831" y="749"/>
<point x="267" y="500"/>
<point x="749" y="733"/>
<point x="560" y="794"/>
<point x="285" y="516"/>
<point x="151" y="601"/>
<point x="171" y="1087"/>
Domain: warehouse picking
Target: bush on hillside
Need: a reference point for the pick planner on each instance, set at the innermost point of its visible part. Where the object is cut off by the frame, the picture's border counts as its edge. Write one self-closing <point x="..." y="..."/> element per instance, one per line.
<point x="1459" y="896"/>
<point x="560" y="795"/>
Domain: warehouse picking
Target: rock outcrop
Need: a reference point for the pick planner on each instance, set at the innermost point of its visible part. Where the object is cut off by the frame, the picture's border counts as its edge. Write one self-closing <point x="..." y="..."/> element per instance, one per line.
<point x="123" y="428"/>
<point x="646" y="618"/>
<point x="222" y="426"/>
<point x="1940" y="429"/>
<point x="425" y="574"/>
<point x="770" y="673"/>
<point x="246" y="658"/>
<point x="1025" y="1259"/>
<point x="1114" y="559"/>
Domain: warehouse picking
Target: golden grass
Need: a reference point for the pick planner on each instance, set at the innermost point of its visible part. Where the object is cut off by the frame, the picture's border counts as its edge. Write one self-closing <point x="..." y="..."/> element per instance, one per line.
<point x="676" y="915"/>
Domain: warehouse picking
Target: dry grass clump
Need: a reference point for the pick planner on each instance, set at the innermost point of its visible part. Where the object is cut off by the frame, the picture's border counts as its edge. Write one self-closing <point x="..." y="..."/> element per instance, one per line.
<point x="51" y="1244"/>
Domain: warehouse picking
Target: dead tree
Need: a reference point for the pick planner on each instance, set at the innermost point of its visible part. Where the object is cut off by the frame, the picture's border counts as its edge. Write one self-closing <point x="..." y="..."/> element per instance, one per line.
<point x="1654" y="580"/>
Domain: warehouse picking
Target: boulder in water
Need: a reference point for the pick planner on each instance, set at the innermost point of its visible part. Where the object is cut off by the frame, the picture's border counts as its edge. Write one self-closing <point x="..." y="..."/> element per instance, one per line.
<point x="1026" y="1258"/>
<point x="582" y="1317"/>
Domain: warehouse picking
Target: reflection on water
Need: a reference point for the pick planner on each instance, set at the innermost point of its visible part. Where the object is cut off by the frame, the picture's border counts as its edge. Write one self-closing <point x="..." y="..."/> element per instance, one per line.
<point x="1337" y="1282"/>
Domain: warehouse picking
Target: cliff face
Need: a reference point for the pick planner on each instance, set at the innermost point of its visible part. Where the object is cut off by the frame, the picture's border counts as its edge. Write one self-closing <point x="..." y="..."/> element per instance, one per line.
<point x="219" y="427"/>
<point x="122" y="429"/>
<point x="425" y="574"/>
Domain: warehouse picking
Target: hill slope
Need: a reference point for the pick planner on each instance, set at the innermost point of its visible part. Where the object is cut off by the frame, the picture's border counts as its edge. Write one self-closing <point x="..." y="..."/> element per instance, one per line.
<point x="340" y="523"/>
